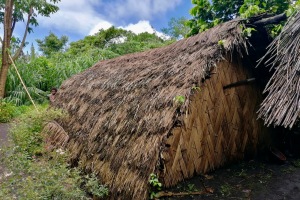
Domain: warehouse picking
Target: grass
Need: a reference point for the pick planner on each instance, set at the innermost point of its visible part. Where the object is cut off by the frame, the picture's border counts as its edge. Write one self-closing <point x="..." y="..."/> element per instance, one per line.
<point x="226" y="189"/>
<point x="8" y="111"/>
<point x="31" y="172"/>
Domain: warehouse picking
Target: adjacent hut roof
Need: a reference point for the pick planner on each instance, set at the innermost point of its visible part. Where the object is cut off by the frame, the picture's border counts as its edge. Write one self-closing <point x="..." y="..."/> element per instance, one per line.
<point x="120" y="109"/>
<point x="282" y="104"/>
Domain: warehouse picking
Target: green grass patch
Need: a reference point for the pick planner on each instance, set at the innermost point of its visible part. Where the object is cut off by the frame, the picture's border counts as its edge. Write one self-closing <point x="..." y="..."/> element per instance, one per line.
<point x="8" y="111"/>
<point x="31" y="172"/>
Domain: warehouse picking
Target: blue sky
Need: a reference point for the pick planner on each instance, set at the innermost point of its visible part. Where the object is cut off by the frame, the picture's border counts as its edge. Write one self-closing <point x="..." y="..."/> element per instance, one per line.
<point x="78" y="18"/>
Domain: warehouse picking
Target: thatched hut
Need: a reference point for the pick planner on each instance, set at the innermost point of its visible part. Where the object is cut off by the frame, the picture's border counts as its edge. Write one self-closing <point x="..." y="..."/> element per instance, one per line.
<point x="281" y="107"/>
<point x="169" y="111"/>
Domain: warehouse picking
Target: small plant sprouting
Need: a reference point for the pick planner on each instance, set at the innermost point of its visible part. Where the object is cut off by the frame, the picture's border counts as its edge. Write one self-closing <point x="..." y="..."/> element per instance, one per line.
<point x="221" y="43"/>
<point x="155" y="185"/>
<point x="247" y="32"/>
<point x="179" y="99"/>
<point x="196" y="88"/>
<point x="191" y="188"/>
<point x="94" y="187"/>
<point x="225" y="190"/>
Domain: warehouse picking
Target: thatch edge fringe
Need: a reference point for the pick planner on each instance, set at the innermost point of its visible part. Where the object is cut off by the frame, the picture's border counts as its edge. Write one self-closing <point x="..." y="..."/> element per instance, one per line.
<point x="281" y="105"/>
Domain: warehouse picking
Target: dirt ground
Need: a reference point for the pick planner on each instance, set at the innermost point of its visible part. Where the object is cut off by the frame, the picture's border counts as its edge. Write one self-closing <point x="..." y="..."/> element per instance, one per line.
<point x="3" y="141"/>
<point x="3" y="134"/>
<point x="255" y="180"/>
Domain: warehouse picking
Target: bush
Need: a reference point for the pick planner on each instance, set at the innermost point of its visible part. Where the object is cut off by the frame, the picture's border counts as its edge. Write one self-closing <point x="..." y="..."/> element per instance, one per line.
<point x="34" y="173"/>
<point x="7" y="111"/>
<point x="26" y="133"/>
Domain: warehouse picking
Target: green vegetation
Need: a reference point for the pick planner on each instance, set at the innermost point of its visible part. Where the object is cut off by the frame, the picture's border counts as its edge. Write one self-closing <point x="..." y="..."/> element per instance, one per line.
<point x="179" y="99"/>
<point x="52" y="44"/>
<point x="32" y="172"/>
<point x="155" y="185"/>
<point x="41" y="73"/>
<point x="177" y="28"/>
<point x="8" y="111"/>
<point x="207" y="14"/>
<point x="221" y="43"/>
<point x="247" y="32"/>
<point x="16" y="11"/>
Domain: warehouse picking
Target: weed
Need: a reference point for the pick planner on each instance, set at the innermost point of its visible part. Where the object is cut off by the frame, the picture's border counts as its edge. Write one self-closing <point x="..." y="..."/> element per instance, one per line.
<point x="296" y="163"/>
<point x="191" y="188"/>
<point x="8" y="111"/>
<point x="93" y="187"/>
<point x="196" y="88"/>
<point x="179" y="99"/>
<point x="242" y="174"/>
<point x="221" y="43"/>
<point x="288" y="170"/>
<point x="225" y="190"/>
<point x="247" y="32"/>
<point x="156" y="186"/>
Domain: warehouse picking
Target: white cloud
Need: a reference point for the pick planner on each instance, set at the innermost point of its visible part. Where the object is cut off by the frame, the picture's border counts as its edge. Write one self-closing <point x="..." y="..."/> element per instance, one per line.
<point x="74" y="16"/>
<point x="143" y="26"/>
<point x="140" y="27"/>
<point x="145" y="9"/>
<point x="85" y="17"/>
<point x="101" y="25"/>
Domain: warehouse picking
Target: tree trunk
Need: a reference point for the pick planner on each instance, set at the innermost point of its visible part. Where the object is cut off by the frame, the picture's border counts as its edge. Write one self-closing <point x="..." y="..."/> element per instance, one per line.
<point x="5" y="45"/>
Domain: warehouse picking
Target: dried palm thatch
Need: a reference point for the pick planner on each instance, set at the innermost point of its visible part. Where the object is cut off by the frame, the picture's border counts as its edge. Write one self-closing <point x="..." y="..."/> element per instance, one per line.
<point x="55" y="136"/>
<point x="282" y="104"/>
<point x="155" y="112"/>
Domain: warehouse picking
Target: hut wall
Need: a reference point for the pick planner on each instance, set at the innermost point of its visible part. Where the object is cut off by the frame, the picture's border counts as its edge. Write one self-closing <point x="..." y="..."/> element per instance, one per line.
<point x="220" y="126"/>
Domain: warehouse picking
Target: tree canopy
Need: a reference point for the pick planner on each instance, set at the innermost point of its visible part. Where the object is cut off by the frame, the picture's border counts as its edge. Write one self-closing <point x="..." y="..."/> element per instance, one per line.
<point x="11" y="12"/>
<point x="52" y="43"/>
<point x="207" y="14"/>
<point x="118" y="41"/>
<point x="177" y="28"/>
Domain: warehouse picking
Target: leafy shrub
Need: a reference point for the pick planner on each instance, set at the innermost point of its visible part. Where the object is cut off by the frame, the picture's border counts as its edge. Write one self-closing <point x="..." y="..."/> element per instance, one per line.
<point x="32" y="173"/>
<point x="155" y="185"/>
<point x="26" y="133"/>
<point x="7" y="111"/>
<point x="93" y="187"/>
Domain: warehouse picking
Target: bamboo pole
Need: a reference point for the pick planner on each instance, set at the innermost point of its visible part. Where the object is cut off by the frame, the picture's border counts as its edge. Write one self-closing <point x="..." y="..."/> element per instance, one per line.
<point x="19" y="76"/>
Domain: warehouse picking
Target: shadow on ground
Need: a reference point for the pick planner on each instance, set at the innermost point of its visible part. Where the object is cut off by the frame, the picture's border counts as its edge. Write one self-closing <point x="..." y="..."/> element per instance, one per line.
<point x="246" y="180"/>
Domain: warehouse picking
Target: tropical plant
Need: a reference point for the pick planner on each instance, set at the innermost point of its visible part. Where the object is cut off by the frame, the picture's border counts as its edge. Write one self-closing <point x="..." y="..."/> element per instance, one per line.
<point x="207" y="14"/>
<point x="11" y="12"/>
<point x="177" y="28"/>
<point x="52" y="44"/>
<point x="156" y="186"/>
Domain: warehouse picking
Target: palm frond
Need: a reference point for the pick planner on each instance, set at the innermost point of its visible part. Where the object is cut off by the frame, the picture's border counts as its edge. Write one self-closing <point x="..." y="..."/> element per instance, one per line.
<point x="282" y="104"/>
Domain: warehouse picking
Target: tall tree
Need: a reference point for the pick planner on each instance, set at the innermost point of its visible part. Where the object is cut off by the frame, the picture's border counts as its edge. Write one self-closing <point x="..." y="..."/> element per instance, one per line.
<point x="51" y="44"/>
<point x="177" y="28"/>
<point x="32" y="52"/>
<point x="13" y="11"/>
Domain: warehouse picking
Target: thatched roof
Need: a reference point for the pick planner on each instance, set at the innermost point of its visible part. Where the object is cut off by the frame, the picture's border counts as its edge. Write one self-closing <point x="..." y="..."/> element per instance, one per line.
<point x="282" y="104"/>
<point x="121" y="109"/>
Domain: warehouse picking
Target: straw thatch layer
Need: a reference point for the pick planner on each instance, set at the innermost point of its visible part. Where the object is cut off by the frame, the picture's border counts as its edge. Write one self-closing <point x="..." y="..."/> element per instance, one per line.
<point x="282" y="104"/>
<point x="122" y="110"/>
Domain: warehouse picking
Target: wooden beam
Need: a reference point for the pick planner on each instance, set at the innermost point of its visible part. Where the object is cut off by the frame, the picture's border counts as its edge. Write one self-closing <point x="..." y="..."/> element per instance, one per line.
<point x="271" y="20"/>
